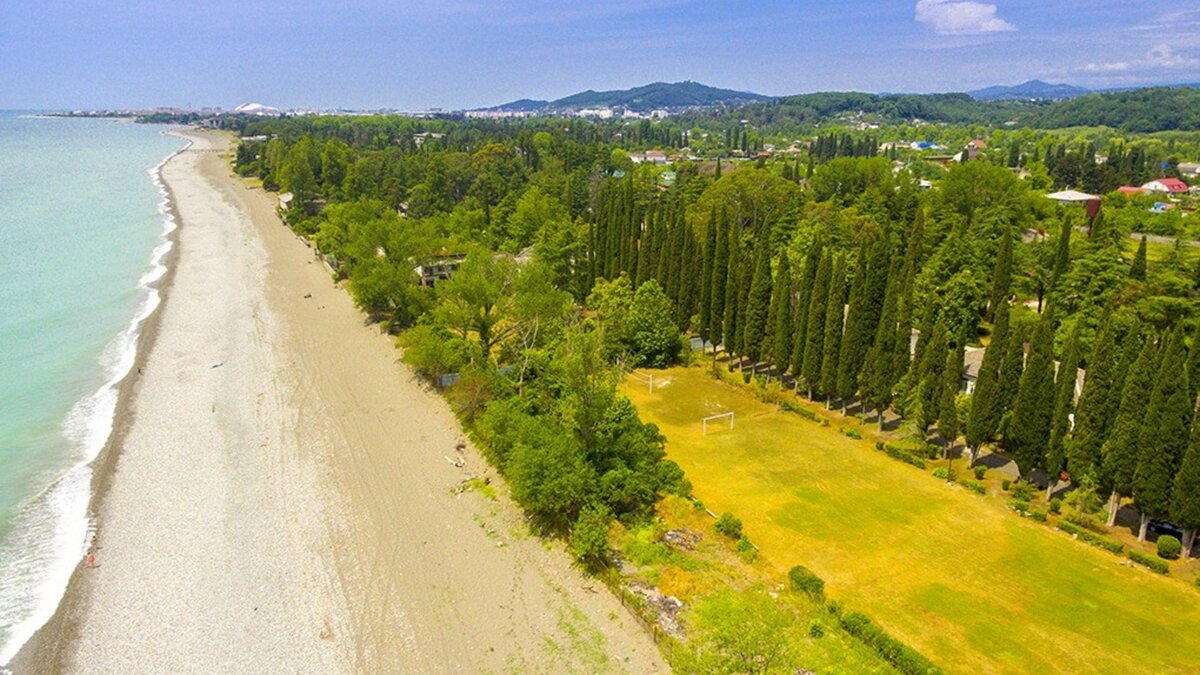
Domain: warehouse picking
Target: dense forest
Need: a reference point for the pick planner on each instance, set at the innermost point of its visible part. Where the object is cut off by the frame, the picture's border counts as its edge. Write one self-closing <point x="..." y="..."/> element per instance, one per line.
<point x="577" y="261"/>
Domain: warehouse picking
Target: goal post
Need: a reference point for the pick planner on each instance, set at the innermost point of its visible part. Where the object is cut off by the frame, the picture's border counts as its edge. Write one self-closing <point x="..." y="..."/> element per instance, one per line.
<point x="714" y="418"/>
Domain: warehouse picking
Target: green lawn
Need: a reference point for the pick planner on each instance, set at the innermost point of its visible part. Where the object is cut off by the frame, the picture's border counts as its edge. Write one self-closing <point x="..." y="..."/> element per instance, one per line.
<point x="956" y="575"/>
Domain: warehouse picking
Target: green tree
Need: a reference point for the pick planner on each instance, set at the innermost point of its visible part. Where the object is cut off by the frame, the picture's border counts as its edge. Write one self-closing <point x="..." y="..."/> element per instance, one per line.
<point x="1097" y="408"/>
<point x="815" y="325"/>
<point x="948" y="423"/>
<point x="653" y="337"/>
<point x="808" y="275"/>
<point x="832" y="338"/>
<point x="1137" y="270"/>
<point x="708" y="252"/>
<point x="1164" y="435"/>
<point x="720" y="270"/>
<point x="930" y="380"/>
<point x="781" y="316"/>
<point x="878" y="374"/>
<point x="739" y="632"/>
<point x="758" y="300"/>
<point x="1185" y="495"/>
<point x="983" y="420"/>
<point x="733" y="277"/>
<point x="1120" y="450"/>
<point x="1064" y="406"/>
<point x="1001" y="273"/>
<point x="589" y="536"/>
<point x="1028" y="432"/>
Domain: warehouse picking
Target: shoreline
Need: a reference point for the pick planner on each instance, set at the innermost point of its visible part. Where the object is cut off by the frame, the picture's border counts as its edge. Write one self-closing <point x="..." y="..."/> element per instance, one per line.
<point x="43" y="647"/>
<point x="319" y="447"/>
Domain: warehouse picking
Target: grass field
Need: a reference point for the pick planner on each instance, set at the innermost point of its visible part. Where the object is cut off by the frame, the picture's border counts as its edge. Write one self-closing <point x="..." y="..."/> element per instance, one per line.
<point x="955" y="575"/>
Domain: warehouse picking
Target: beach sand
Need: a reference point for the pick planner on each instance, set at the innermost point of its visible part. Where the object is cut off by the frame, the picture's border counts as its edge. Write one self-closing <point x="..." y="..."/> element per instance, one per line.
<point x="280" y="495"/>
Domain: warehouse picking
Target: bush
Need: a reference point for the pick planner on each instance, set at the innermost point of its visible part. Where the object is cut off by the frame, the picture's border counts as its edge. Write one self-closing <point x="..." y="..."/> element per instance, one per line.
<point x="980" y="472"/>
<point x="1056" y="506"/>
<point x="1091" y="537"/>
<point x="815" y="629"/>
<point x="904" y="658"/>
<point x="853" y="433"/>
<point x="933" y="451"/>
<point x="589" y="537"/>
<point x="879" y="445"/>
<point x="744" y="545"/>
<point x="973" y="485"/>
<point x="1021" y="506"/>
<point x="804" y="581"/>
<point x="941" y="472"/>
<point x="1039" y="516"/>
<point x="903" y="455"/>
<point x="1005" y="484"/>
<point x="1169" y="547"/>
<point x="729" y="525"/>
<point x="1023" y="490"/>
<point x="1154" y="564"/>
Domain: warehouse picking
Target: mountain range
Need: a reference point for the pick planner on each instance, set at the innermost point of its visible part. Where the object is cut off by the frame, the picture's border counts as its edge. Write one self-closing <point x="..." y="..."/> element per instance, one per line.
<point x="1032" y="89"/>
<point x="655" y="96"/>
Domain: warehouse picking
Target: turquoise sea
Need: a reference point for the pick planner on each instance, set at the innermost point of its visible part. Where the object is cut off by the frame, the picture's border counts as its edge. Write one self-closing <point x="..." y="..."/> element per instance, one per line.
<point x="83" y="229"/>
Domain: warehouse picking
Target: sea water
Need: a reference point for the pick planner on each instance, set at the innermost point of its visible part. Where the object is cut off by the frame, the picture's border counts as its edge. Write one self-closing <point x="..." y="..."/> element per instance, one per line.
<point x="83" y="235"/>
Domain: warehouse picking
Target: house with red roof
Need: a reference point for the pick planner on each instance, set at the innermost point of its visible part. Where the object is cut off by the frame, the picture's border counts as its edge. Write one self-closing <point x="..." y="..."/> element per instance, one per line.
<point x="1130" y="190"/>
<point x="1171" y="186"/>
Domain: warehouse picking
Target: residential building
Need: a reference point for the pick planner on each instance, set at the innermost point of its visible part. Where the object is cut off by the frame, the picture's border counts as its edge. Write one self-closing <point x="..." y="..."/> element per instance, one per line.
<point x="1171" y="186"/>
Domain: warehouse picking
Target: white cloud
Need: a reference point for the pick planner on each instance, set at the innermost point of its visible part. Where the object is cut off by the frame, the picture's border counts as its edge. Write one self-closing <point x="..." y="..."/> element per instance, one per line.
<point x="1160" y="57"/>
<point x="958" y="17"/>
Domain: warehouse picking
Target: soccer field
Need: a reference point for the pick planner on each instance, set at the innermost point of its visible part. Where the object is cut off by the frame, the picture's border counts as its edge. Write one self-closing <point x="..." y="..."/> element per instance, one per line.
<point x="957" y="576"/>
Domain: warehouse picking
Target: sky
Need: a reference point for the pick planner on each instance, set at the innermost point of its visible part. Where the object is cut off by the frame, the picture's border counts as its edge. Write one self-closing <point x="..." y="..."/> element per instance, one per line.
<point x="454" y="54"/>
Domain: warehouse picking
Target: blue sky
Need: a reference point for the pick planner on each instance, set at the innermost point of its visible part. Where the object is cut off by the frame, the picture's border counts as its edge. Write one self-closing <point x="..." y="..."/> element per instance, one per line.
<point x="417" y="54"/>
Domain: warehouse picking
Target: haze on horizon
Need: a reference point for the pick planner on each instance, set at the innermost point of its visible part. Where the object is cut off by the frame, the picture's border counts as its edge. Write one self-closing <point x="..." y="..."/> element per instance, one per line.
<point x="418" y="54"/>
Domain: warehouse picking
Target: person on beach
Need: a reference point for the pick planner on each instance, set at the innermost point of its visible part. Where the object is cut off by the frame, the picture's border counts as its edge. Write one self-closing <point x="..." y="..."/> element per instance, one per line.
<point x="91" y="559"/>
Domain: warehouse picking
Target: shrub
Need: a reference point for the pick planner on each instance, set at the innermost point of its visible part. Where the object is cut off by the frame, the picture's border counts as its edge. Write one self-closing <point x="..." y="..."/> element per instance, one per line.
<point x="1056" y="506"/>
<point x="1039" y="516"/>
<point x="729" y="525"/>
<point x="1154" y="564"/>
<point x="589" y="537"/>
<point x="973" y="485"/>
<point x="1005" y="484"/>
<point x="744" y="545"/>
<point x="853" y="433"/>
<point x="804" y="581"/>
<point x="1169" y="547"/>
<point x="933" y="451"/>
<point x="1091" y="537"/>
<point x="835" y="607"/>
<point x="1023" y="490"/>
<point x="980" y="472"/>
<point x="903" y="455"/>
<point x="1021" y="506"/>
<point x="904" y="658"/>
<point x="878" y="445"/>
<point x="815" y="629"/>
<point x="941" y="472"/>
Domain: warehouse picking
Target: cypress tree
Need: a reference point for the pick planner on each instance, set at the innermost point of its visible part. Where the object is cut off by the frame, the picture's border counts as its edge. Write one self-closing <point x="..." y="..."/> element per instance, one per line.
<point x="1062" y="252"/>
<point x="745" y="280"/>
<point x="1029" y="429"/>
<point x="983" y="420"/>
<point x="877" y="377"/>
<point x="855" y="328"/>
<point x="758" y="301"/>
<point x="1012" y="366"/>
<point x="1193" y="365"/>
<point x="720" y="271"/>
<point x="862" y="319"/>
<point x="1064" y="405"/>
<point x="832" y="339"/>
<point x="1120" y="450"/>
<point x="1164" y="435"/>
<point x="732" y="277"/>
<point x="1093" y="415"/>
<point x="781" y="316"/>
<point x="929" y="378"/>
<point x="815" y="325"/>
<point x="914" y="247"/>
<point x="687" y="273"/>
<point x="1185" y="494"/>
<point x="1001" y="273"/>
<point x="948" y="423"/>
<point x="803" y="295"/>
<point x="706" y="273"/>
<point x="1137" y="270"/>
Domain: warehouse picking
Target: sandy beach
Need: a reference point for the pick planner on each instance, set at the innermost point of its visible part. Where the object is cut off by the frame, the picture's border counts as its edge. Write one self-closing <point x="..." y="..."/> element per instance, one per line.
<point x="283" y="496"/>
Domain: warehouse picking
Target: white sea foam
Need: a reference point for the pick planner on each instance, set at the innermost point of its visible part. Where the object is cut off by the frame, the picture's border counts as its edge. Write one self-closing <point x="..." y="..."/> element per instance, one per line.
<point x="50" y="533"/>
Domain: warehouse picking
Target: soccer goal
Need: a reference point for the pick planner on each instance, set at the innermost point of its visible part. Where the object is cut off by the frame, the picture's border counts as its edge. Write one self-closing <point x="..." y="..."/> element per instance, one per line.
<point x="647" y="379"/>
<point x="714" y="418"/>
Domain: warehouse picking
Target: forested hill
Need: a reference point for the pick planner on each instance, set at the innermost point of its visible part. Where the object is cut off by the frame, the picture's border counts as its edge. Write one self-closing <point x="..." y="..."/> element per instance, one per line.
<point x="655" y="96"/>
<point x="1138" y="110"/>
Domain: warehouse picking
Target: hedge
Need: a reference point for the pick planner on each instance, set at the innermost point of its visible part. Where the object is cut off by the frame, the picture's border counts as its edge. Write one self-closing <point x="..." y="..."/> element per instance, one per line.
<point x="973" y="485"/>
<point x="906" y="659"/>
<point x="902" y="455"/>
<point x="804" y="581"/>
<point x="1154" y="564"/>
<point x="1091" y="537"/>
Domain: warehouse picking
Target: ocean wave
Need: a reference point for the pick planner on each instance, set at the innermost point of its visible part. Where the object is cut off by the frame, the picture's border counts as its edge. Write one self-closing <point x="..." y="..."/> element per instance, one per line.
<point x="49" y="534"/>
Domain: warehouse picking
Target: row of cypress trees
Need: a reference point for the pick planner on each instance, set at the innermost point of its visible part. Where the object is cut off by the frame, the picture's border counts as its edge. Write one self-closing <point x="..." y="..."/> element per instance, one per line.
<point x="841" y="324"/>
